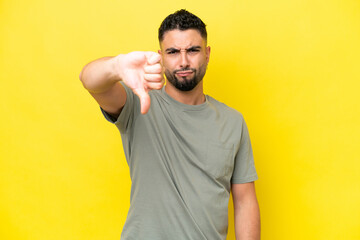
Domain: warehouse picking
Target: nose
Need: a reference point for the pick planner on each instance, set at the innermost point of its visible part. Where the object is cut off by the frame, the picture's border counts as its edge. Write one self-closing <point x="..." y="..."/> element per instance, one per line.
<point x="184" y="62"/>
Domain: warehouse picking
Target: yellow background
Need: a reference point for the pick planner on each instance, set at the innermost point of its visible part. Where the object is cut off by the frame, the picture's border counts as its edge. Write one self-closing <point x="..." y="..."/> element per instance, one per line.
<point x="291" y="68"/>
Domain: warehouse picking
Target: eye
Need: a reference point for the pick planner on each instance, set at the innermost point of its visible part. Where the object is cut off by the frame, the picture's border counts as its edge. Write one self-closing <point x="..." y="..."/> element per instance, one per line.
<point x="193" y="50"/>
<point x="172" y="52"/>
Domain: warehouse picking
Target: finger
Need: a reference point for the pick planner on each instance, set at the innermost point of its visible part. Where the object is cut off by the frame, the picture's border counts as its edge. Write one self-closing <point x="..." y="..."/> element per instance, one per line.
<point x="153" y="77"/>
<point x="156" y="68"/>
<point x="153" y="57"/>
<point x="144" y="100"/>
<point x="155" y="86"/>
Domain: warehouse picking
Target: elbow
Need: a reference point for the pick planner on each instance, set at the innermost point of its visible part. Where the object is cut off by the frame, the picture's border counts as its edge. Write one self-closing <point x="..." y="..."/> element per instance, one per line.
<point x="80" y="76"/>
<point x="83" y="81"/>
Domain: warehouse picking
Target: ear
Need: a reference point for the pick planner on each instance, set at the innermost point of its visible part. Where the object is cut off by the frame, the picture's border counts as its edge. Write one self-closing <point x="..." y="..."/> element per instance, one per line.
<point x="161" y="60"/>
<point x="208" y="53"/>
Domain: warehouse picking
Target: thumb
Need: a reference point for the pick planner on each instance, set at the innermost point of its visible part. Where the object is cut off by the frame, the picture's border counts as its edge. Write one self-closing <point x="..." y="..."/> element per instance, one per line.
<point x="144" y="100"/>
<point x="153" y="57"/>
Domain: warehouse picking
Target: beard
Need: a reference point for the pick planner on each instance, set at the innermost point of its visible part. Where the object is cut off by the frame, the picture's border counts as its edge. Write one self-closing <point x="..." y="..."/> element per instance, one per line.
<point x="185" y="84"/>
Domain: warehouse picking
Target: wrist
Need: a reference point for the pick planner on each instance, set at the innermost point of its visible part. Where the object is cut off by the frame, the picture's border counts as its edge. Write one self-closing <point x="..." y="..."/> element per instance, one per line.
<point x="116" y="67"/>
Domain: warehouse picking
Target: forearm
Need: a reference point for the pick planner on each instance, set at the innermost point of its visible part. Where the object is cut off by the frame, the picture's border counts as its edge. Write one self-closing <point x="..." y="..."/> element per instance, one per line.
<point x="247" y="221"/>
<point x="100" y="75"/>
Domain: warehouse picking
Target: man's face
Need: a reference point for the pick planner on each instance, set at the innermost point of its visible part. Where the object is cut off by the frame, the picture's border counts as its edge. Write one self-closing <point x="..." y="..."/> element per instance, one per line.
<point x="185" y="57"/>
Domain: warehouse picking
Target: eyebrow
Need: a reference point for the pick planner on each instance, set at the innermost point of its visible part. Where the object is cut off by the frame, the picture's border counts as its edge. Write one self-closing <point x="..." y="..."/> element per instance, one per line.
<point x="190" y="48"/>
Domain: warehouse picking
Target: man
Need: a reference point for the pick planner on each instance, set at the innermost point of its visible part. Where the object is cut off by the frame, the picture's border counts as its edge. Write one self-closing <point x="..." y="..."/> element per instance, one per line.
<point x="185" y="150"/>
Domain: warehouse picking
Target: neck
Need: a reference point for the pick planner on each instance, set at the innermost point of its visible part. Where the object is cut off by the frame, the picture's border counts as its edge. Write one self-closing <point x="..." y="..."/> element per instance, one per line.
<point x="192" y="97"/>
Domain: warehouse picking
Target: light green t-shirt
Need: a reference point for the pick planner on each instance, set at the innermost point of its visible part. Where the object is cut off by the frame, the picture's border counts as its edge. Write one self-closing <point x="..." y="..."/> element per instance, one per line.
<point x="182" y="160"/>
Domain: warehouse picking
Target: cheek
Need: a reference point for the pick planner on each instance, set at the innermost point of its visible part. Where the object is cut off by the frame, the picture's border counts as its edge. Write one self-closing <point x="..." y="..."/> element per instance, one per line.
<point x="199" y="60"/>
<point x="168" y="64"/>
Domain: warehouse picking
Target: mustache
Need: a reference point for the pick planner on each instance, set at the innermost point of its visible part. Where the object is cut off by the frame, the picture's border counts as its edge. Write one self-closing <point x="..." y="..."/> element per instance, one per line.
<point x="184" y="69"/>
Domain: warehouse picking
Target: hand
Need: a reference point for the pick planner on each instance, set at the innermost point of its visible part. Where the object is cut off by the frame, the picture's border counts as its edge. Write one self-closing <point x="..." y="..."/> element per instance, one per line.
<point x="141" y="72"/>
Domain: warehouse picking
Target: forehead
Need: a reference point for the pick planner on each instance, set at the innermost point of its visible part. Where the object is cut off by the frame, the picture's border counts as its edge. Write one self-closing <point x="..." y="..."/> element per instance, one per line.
<point x="182" y="39"/>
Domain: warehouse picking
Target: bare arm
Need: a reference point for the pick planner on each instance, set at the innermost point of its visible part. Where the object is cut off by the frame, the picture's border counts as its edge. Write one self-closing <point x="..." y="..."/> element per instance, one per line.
<point x="140" y="71"/>
<point x="246" y="211"/>
<point x="101" y="79"/>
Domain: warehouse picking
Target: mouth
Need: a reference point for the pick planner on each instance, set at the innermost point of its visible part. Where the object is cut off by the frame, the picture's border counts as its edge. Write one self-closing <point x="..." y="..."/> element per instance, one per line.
<point x="184" y="73"/>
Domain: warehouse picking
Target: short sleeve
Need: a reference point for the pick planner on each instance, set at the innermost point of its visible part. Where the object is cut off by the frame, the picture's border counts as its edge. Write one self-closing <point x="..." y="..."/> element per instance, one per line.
<point x="244" y="169"/>
<point x="128" y="113"/>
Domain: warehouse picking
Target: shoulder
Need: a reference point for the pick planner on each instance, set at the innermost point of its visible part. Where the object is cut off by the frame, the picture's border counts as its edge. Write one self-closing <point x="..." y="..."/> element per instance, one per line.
<point x="156" y="96"/>
<point x="225" y="111"/>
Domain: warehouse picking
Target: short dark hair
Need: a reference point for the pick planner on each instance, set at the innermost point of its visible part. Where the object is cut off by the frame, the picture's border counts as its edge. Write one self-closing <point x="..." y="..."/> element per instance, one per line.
<point x="182" y="20"/>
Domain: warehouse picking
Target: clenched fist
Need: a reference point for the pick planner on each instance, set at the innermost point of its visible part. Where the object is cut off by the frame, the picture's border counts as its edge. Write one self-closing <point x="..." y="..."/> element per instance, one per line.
<point x="141" y="72"/>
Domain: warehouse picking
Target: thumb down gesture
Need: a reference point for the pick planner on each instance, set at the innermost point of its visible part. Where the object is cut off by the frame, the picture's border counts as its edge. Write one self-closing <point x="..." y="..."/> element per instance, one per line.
<point x="142" y="72"/>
